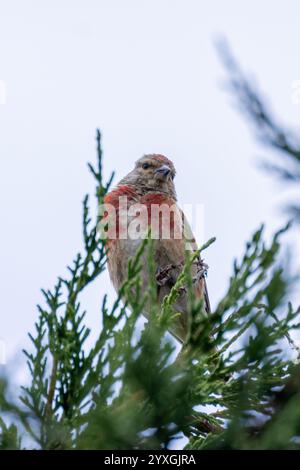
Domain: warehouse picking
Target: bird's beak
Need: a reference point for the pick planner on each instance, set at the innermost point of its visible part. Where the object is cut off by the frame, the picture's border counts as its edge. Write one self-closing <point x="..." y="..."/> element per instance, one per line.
<point x="163" y="172"/>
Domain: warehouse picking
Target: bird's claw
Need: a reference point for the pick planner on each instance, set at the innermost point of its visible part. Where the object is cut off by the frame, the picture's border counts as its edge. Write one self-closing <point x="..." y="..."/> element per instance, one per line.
<point x="162" y="275"/>
<point x="201" y="269"/>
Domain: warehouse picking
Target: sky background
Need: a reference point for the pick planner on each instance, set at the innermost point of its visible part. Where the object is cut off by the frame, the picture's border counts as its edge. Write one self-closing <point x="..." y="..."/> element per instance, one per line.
<point x="147" y="74"/>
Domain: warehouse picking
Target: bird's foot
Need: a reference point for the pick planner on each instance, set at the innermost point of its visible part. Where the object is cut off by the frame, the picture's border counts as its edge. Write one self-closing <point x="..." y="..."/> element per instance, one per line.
<point x="202" y="269"/>
<point x="163" y="275"/>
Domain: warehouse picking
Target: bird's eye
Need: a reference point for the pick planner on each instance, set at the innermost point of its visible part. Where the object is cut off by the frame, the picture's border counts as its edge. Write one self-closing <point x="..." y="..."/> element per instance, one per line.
<point x="145" y="166"/>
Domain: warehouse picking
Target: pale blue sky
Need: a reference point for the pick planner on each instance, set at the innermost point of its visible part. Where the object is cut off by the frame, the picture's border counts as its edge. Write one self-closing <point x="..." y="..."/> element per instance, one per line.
<point x="147" y="74"/>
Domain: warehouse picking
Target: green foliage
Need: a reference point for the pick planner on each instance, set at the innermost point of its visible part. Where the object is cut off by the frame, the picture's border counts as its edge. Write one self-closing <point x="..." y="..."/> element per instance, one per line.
<point x="233" y="384"/>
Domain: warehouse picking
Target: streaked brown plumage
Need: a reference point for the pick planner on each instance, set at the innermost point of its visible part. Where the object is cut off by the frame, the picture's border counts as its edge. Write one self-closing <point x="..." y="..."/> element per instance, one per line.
<point x="151" y="183"/>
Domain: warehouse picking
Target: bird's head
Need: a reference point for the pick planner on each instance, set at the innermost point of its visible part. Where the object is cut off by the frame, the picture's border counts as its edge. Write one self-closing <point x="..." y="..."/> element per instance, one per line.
<point x="153" y="173"/>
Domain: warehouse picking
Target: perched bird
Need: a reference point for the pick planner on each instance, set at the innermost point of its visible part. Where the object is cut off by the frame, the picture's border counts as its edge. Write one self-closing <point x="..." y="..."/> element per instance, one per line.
<point x="148" y="194"/>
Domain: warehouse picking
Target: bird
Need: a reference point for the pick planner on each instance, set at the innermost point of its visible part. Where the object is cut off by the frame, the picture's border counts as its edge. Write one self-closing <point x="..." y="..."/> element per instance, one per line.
<point x="149" y="189"/>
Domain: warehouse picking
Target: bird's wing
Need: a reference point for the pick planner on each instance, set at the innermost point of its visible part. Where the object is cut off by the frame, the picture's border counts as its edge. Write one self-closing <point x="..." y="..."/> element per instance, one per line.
<point x="192" y="245"/>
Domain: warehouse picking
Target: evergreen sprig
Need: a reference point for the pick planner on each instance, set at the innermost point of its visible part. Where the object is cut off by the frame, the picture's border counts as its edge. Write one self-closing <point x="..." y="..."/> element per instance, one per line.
<point x="234" y="384"/>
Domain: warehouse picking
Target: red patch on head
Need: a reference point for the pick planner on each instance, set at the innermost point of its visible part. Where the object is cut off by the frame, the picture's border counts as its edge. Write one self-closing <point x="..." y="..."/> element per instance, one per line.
<point x="161" y="159"/>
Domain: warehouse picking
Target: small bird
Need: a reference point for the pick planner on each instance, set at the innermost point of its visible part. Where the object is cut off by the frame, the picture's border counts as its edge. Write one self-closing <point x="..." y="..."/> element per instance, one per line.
<point x="148" y="194"/>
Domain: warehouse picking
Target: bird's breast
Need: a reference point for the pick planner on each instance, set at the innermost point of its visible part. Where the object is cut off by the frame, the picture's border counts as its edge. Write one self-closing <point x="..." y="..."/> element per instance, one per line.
<point x="129" y="221"/>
